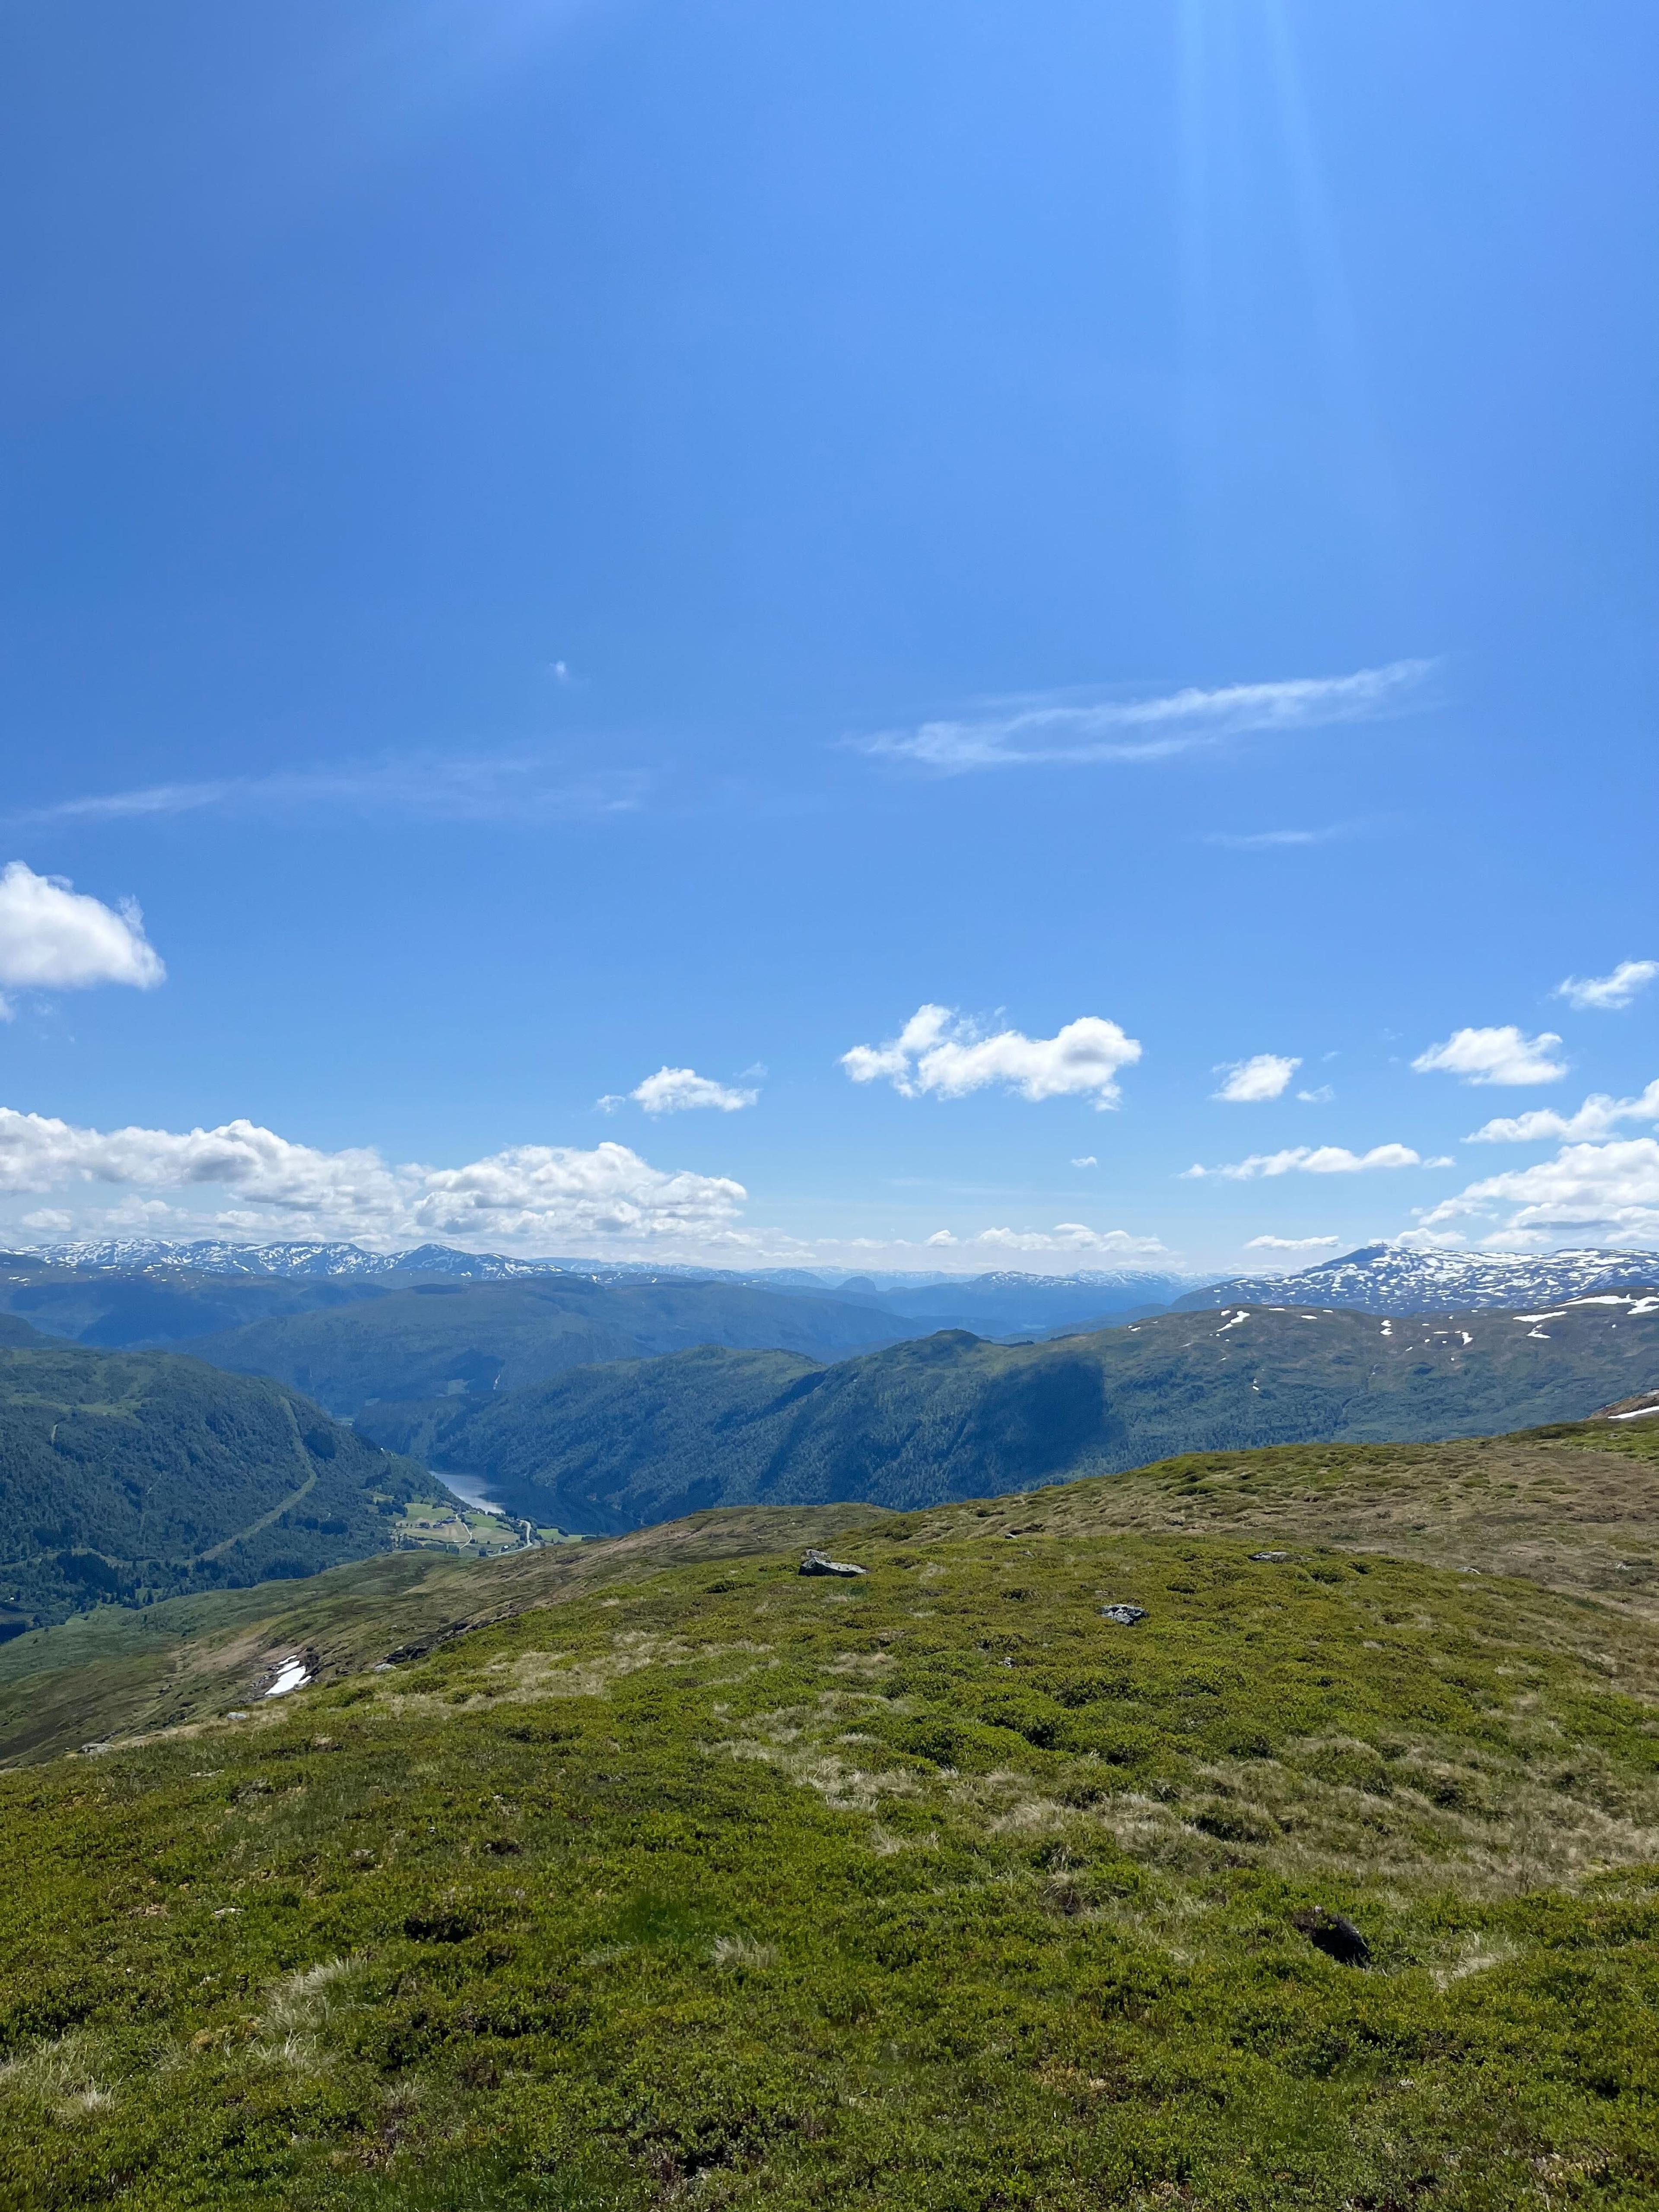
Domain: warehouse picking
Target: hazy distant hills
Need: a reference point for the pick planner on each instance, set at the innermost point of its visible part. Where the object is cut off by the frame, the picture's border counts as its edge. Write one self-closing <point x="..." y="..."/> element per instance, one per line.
<point x="147" y="1295"/>
<point x="1384" y="1278"/>
<point x="148" y="1287"/>
<point x="603" y="1449"/>
<point x="433" y="1340"/>
<point x="141" y="1292"/>
<point x="1009" y="1303"/>
<point x="138" y="1475"/>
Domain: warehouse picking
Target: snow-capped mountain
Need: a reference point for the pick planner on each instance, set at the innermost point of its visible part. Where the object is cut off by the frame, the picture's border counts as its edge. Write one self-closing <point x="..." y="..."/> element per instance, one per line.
<point x="212" y="1257"/>
<point x="1389" y="1279"/>
<point x="215" y="1257"/>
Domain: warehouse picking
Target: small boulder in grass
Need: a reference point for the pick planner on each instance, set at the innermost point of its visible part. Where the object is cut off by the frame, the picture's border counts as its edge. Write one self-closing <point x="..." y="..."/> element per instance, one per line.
<point x="1273" y="1556"/>
<point x="1334" y="1934"/>
<point x="1124" y="1615"/>
<point x="818" y="1563"/>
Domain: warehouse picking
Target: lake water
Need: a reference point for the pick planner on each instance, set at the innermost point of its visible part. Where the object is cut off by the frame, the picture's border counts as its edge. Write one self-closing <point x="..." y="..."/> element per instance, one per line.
<point x="469" y="1488"/>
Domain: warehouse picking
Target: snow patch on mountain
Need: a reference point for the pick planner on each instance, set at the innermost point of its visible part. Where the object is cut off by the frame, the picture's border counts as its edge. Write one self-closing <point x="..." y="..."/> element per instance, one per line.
<point x="1394" y="1278"/>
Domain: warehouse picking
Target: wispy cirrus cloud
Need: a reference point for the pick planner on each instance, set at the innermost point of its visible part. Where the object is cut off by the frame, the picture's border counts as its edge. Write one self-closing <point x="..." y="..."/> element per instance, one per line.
<point x="1065" y="733"/>
<point x="1267" y="841"/>
<point x="526" y="787"/>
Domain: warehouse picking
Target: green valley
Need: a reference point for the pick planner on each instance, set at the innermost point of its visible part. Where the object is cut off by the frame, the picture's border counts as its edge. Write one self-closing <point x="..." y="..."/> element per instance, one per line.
<point x="604" y="1448"/>
<point x="132" y="1476"/>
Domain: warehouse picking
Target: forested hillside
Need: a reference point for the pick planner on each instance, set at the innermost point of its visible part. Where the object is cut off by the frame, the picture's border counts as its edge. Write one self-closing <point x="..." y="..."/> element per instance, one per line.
<point x="438" y="1340"/>
<point x="135" y="1476"/>
<point x="948" y="1416"/>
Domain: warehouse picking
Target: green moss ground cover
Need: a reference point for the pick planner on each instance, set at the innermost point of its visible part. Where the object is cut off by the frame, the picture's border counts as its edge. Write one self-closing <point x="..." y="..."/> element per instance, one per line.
<point x="723" y="1887"/>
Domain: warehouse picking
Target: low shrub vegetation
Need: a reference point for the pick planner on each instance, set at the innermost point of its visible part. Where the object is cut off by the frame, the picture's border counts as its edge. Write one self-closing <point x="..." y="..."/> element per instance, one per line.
<point x="935" y="1889"/>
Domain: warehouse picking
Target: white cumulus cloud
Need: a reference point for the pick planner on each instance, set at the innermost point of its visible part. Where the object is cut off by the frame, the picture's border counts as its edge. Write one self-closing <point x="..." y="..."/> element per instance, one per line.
<point x="1291" y="1244"/>
<point x="1598" y="1116"/>
<point x="1051" y="732"/>
<point x="1248" y="1082"/>
<point x="1612" y="1188"/>
<point x="53" y="937"/>
<point x="527" y="1193"/>
<point x="680" y="1090"/>
<point x="938" y="1052"/>
<point x="1064" y="1237"/>
<point x="1088" y="1160"/>
<point x="1607" y="993"/>
<point x="1316" y="1159"/>
<point x="1497" y="1055"/>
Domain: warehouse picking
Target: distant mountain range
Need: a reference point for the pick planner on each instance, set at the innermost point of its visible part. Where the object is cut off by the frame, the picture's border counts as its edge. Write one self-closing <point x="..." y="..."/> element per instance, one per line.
<point x="605" y="1449"/>
<point x="1376" y="1279"/>
<point x="437" y="1340"/>
<point x="419" y="1329"/>
<point x="131" y="1474"/>
<point x="308" y="1260"/>
<point x="140" y="1291"/>
<point x="215" y="1257"/>
<point x="1388" y="1279"/>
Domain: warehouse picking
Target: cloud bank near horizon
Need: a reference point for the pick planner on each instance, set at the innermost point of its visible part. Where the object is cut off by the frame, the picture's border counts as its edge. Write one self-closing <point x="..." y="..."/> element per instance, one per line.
<point x="541" y="1191"/>
<point x="1612" y="1188"/>
<point x="1064" y="1237"/>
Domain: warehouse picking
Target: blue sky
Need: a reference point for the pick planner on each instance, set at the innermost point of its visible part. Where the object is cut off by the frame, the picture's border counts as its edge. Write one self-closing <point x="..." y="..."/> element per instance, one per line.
<point x="550" y="542"/>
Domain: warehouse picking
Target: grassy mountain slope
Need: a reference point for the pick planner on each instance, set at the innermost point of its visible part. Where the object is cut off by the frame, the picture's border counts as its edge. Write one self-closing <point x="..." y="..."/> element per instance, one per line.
<point x="1575" y="1510"/>
<point x="949" y="1416"/>
<point x="436" y="1339"/>
<point x="135" y="1476"/>
<point x="692" y="1882"/>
